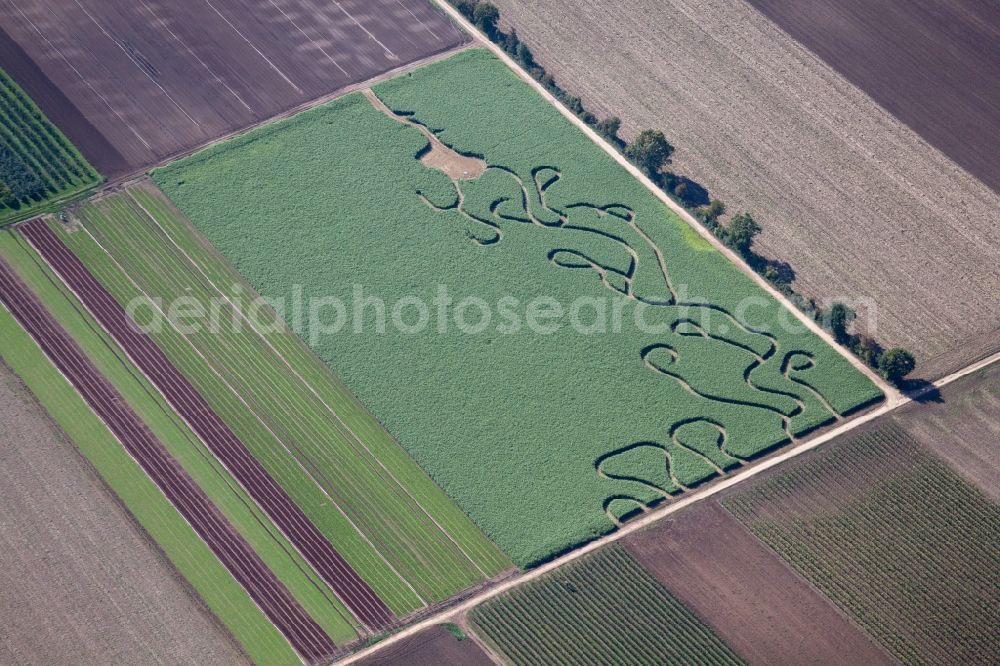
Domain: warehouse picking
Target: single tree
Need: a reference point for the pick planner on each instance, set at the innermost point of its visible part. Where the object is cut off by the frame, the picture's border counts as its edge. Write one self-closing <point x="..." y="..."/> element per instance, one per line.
<point x="740" y="232"/>
<point x="650" y="151"/>
<point x="896" y="364"/>
<point x="609" y="127"/>
<point x="840" y="318"/>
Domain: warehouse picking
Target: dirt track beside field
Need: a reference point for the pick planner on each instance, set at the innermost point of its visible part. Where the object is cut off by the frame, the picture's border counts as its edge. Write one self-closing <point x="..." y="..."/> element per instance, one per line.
<point x="857" y="202"/>
<point x="752" y="599"/>
<point x="78" y="583"/>
<point x="158" y="78"/>
<point x="963" y="427"/>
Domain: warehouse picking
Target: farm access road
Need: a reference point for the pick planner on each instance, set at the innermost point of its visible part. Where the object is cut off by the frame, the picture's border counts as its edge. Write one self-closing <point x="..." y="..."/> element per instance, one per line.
<point x="894" y="398"/>
<point x="455" y="613"/>
<point x="892" y="394"/>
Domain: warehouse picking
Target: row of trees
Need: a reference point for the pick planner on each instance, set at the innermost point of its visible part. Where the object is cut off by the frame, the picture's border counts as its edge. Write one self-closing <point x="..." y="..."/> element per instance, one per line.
<point x="652" y="153"/>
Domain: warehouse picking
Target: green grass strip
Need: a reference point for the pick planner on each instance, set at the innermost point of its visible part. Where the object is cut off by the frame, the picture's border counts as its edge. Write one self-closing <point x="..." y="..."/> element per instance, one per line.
<point x="182" y="546"/>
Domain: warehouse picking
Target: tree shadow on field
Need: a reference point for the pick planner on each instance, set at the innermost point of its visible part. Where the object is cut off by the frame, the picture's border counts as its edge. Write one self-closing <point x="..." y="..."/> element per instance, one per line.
<point x="921" y="391"/>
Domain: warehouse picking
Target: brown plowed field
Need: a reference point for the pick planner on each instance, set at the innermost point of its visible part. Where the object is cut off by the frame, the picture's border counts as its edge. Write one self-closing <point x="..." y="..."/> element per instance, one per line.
<point x="192" y="407"/>
<point x="752" y="599"/>
<point x="932" y="64"/>
<point x="859" y="204"/>
<point x="963" y="427"/>
<point x="82" y="586"/>
<point x="157" y="77"/>
<point x="431" y="647"/>
<point x="308" y="639"/>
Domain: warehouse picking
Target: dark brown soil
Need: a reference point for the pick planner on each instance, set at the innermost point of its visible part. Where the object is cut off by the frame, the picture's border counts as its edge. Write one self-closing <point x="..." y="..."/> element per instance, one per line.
<point x="98" y="151"/>
<point x="157" y="77"/>
<point x="963" y="426"/>
<point x="749" y="596"/>
<point x="932" y="64"/>
<point x="433" y="647"/>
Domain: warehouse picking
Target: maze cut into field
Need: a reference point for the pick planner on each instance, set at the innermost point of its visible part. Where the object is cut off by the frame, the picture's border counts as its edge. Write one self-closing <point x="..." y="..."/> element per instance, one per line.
<point x="156" y="78"/>
<point x="101" y="594"/>
<point x="859" y="204"/>
<point x="361" y="489"/>
<point x="628" y="418"/>
<point x="893" y="536"/>
<point x="143" y="499"/>
<point x="192" y="407"/>
<point x="233" y="551"/>
<point x="603" y="609"/>
<point x="37" y="163"/>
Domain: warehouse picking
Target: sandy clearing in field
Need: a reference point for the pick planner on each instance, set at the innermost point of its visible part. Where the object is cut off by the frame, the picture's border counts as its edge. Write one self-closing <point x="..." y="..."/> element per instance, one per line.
<point x="78" y="582"/>
<point x="837" y="182"/>
<point x="437" y="156"/>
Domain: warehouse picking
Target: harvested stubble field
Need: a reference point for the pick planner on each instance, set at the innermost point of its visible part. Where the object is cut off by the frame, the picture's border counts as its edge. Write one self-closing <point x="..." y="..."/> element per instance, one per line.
<point x="161" y="520"/>
<point x="604" y="609"/>
<point x="749" y="596"/>
<point x="37" y="163"/>
<point x="854" y="200"/>
<point x="156" y="78"/>
<point x="897" y="539"/>
<point x="931" y="64"/>
<point x="628" y="418"/>
<point x="963" y="427"/>
<point x="78" y="583"/>
<point x="233" y="551"/>
<point x="358" y="486"/>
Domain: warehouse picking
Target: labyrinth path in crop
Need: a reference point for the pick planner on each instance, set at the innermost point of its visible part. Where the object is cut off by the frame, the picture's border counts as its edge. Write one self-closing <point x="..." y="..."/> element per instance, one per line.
<point x="545" y="439"/>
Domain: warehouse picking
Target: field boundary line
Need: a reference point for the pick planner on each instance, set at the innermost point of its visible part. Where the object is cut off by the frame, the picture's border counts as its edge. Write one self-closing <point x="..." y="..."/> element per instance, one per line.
<point x="137" y="175"/>
<point x="892" y="394"/>
<point x="457" y="611"/>
<point x="211" y="366"/>
<point x="306" y="384"/>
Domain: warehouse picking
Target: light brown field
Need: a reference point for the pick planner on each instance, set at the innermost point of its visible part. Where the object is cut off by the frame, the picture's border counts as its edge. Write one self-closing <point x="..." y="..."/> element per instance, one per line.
<point x="862" y="207"/>
<point x="78" y="583"/>
<point x="963" y="427"/>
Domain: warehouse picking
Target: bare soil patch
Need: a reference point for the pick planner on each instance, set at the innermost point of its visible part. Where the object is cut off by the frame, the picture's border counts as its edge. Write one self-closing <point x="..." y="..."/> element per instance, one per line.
<point x="157" y="78"/>
<point x="752" y="599"/>
<point x="78" y="583"/>
<point x="857" y="202"/>
<point x="431" y="647"/>
<point x="963" y="427"/>
<point x="437" y="155"/>
<point x="931" y="64"/>
<point x="60" y="110"/>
